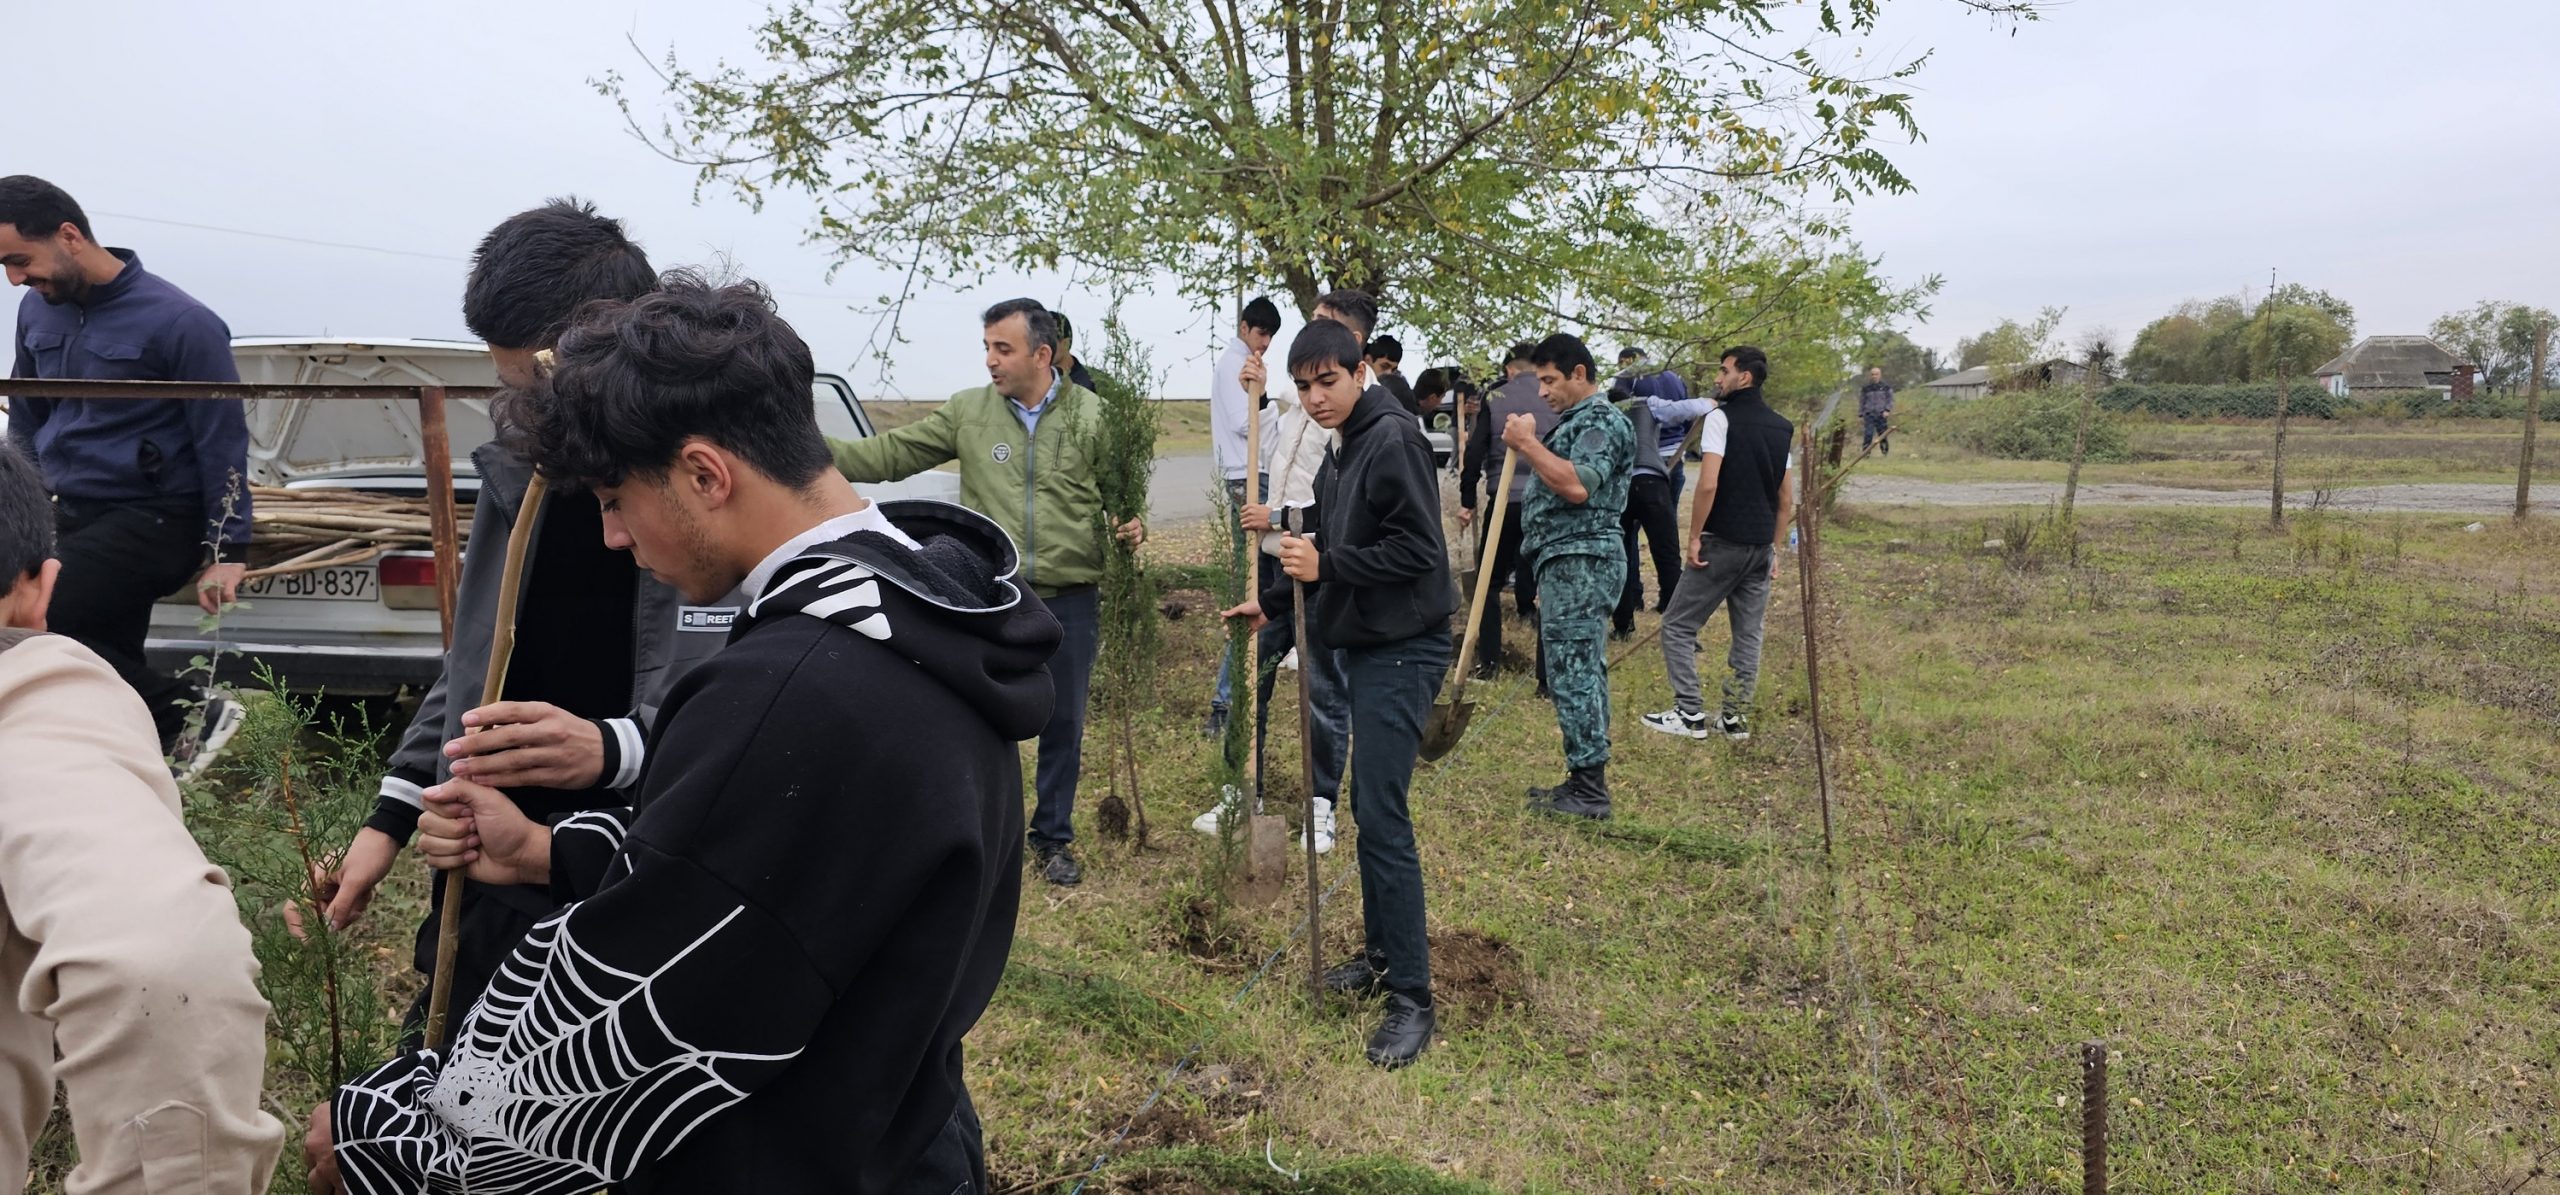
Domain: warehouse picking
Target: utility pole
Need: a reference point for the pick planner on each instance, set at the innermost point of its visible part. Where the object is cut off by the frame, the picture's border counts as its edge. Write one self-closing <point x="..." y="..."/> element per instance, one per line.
<point x="2532" y="415"/>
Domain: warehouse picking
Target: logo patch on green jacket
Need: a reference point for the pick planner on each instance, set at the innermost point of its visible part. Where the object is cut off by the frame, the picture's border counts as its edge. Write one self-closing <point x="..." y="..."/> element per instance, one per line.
<point x="1002" y="452"/>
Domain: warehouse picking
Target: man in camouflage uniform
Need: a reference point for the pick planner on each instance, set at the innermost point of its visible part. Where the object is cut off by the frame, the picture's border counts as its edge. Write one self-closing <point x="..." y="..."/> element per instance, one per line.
<point x="1582" y="470"/>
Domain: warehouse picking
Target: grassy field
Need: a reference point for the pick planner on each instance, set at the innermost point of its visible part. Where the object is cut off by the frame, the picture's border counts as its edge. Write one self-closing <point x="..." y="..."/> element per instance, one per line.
<point x="2262" y="810"/>
<point x="1185" y="429"/>
<point x="2267" y="811"/>
<point x="2237" y="454"/>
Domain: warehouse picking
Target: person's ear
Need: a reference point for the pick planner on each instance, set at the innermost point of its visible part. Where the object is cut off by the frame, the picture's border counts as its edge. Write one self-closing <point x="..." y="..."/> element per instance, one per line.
<point x="707" y="475"/>
<point x="24" y="605"/>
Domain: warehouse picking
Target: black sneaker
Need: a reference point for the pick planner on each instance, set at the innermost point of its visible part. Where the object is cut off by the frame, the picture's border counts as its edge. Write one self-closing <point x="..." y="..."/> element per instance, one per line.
<point x="1620" y="634"/>
<point x="1215" y="725"/>
<point x="1734" y="726"/>
<point x="1403" y="1035"/>
<point x="1057" y="864"/>
<point x="1360" y="978"/>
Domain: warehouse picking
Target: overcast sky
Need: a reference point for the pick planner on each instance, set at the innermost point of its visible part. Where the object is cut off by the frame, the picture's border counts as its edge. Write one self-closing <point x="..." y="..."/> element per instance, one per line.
<point x="2114" y="158"/>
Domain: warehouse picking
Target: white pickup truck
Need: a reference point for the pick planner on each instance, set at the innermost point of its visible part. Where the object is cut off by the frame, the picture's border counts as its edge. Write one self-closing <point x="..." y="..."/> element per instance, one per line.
<point x="371" y="629"/>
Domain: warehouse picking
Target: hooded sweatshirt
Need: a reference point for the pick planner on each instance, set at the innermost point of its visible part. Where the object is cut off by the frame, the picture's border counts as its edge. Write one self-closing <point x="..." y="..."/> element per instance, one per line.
<point x="770" y="961"/>
<point x="1382" y="566"/>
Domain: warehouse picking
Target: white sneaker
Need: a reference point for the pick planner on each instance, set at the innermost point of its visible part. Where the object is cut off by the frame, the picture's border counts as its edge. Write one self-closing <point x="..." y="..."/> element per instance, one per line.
<point x="1687" y="726"/>
<point x="1229" y="796"/>
<point x="198" y="749"/>
<point x="1323" y="828"/>
<point x="1290" y="661"/>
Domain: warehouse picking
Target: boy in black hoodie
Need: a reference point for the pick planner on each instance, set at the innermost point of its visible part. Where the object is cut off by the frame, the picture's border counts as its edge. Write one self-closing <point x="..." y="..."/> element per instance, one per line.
<point x="1379" y="594"/>
<point x="771" y="959"/>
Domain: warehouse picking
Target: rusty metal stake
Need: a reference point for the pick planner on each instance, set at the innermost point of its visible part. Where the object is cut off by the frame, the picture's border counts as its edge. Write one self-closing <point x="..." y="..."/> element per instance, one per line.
<point x="1809" y="530"/>
<point x="2093" y="1118"/>
<point x="437" y="449"/>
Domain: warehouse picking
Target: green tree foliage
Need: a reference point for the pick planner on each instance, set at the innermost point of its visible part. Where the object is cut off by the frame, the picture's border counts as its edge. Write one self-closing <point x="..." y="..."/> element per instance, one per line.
<point x="2011" y="343"/>
<point x="2287" y="341"/>
<point x="1905" y="364"/>
<point x="2295" y="294"/>
<point x="2496" y="336"/>
<point x="1123" y="451"/>
<point x="299" y="788"/>
<point x="2035" y="425"/>
<point x="1503" y="163"/>
<point x="2206" y="343"/>
<point x="2197" y="343"/>
<point x="1799" y="289"/>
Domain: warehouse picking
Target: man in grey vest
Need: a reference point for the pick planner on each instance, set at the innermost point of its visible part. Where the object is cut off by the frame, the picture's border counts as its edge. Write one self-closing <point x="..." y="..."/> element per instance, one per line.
<point x="1483" y="461"/>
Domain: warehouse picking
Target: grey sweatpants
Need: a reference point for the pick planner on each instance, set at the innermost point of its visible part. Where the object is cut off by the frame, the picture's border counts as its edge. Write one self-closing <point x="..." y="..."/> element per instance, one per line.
<point x="1737" y="578"/>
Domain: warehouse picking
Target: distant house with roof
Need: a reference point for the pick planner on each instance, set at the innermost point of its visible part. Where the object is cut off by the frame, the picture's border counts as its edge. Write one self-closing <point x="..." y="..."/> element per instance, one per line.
<point x="1963" y="383"/>
<point x="2397" y="363"/>
<point x="1985" y="379"/>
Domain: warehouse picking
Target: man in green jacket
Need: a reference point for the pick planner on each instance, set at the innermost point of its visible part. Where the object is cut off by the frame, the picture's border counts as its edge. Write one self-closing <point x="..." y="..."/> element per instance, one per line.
<point x="1021" y="442"/>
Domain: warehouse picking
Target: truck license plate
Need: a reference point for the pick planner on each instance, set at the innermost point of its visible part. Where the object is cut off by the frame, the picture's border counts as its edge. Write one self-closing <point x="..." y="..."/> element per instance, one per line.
<point x="345" y="584"/>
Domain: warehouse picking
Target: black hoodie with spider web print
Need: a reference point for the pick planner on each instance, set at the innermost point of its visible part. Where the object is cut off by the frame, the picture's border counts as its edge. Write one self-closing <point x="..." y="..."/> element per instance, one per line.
<point x="774" y="955"/>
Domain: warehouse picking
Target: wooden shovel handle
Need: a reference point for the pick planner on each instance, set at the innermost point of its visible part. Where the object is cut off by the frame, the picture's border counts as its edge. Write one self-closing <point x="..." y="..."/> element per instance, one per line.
<point x="1488" y="538"/>
<point x="502" y="648"/>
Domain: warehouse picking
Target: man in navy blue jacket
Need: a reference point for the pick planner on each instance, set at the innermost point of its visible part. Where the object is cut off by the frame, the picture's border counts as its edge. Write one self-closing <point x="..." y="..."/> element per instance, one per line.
<point x="147" y="493"/>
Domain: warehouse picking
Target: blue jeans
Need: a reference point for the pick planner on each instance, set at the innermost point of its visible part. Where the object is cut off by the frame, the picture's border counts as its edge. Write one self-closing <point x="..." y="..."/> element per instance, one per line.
<point x="1079" y="614"/>
<point x="1326" y="712"/>
<point x="1263" y="568"/>
<point x="1391" y="689"/>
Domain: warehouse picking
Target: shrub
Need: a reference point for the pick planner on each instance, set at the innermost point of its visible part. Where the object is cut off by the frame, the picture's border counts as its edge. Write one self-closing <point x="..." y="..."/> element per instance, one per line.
<point x="2257" y="400"/>
<point x="2036" y="425"/>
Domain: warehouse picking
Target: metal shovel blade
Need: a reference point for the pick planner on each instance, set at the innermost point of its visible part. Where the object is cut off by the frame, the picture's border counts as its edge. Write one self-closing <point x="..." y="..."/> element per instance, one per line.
<point x="1446" y="725"/>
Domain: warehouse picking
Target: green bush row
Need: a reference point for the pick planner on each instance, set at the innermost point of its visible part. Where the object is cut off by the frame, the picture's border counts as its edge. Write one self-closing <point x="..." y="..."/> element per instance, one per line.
<point x="2036" y="425"/>
<point x="2257" y="400"/>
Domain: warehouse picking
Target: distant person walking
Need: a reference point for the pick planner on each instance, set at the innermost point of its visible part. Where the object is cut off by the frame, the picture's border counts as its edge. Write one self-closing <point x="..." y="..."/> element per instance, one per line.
<point x="148" y="493"/>
<point x="1743" y="499"/>
<point x="1875" y="412"/>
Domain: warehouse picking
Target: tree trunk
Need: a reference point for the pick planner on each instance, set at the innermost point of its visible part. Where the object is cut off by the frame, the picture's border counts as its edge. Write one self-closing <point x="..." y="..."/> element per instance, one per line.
<point x="2284" y="396"/>
<point x="2532" y="415"/>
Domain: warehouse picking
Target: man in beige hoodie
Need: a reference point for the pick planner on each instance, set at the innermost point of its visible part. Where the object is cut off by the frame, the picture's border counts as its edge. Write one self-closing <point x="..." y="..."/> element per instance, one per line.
<point x="120" y="949"/>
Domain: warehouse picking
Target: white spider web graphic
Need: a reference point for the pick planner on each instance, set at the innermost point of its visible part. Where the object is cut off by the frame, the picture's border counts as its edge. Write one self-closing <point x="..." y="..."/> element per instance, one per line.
<point x="566" y="1076"/>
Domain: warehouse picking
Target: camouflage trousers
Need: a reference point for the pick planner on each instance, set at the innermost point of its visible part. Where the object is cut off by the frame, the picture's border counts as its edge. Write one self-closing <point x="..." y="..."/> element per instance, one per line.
<point x="1576" y="592"/>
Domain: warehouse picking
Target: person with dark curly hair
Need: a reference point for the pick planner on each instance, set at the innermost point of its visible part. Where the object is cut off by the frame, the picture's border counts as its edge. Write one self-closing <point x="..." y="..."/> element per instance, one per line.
<point x="764" y="967"/>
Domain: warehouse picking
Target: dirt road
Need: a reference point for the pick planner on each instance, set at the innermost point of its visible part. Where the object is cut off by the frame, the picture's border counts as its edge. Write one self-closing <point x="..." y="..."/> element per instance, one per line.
<point x="2371" y="499"/>
<point x="1181" y="491"/>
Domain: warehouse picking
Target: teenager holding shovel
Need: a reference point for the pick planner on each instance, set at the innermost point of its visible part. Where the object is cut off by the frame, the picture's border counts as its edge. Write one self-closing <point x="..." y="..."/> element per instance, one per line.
<point x="765" y="968"/>
<point x="1379" y="595"/>
<point x="598" y="644"/>
<point x="1293" y="451"/>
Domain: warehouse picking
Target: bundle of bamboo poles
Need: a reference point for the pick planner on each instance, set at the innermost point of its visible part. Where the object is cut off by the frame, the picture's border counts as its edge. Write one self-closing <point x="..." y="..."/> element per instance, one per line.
<point x="298" y="531"/>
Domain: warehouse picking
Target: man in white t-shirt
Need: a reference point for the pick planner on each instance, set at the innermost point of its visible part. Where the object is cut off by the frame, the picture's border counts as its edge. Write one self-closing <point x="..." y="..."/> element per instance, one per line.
<point x="1231" y="411"/>
<point x="1743" y="504"/>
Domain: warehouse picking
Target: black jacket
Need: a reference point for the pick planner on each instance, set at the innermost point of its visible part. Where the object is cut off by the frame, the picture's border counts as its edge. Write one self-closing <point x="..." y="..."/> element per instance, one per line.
<point x="1756" y="440"/>
<point x="1383" y="573"/>
<point x="765" y="984"/>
